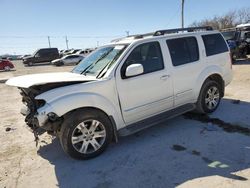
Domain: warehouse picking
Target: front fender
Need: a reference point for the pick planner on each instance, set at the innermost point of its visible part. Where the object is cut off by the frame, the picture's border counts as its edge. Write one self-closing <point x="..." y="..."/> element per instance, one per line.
<point x="67" y="103"/>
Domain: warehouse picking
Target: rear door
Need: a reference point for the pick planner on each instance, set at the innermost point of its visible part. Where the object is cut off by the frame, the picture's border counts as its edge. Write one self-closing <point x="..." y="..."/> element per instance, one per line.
<point x="184" y="53"/>
<point x="147" y="94"/>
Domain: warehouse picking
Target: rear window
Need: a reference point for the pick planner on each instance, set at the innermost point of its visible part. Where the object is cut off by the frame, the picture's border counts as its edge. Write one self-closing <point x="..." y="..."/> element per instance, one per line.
<point x="214" y="44"/>
<point x="183" y="50"/>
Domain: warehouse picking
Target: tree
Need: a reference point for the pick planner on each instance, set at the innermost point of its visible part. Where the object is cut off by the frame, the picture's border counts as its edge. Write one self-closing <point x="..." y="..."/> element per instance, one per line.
<point x="228" y="20"/>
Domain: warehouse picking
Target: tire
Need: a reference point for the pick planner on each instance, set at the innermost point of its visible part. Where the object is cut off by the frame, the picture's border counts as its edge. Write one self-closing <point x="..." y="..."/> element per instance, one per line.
<point x="30" y="64"/>
<point x="7" y="68"/>
<point x="209" y="98"/>
<point x="59" y="64"/>
<point x="85" y="133"/>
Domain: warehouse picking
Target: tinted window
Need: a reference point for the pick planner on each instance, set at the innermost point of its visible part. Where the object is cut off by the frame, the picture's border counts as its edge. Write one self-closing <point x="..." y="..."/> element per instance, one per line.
<point x="72" y="56"/>
<point x="183" y="50"/>
<point x="214" y="44"/>
<point x="148" y="55"/>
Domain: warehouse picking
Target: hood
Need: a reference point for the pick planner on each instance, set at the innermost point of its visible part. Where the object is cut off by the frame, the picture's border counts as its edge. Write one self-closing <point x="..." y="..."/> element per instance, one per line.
<point x="28" y="57"/>
<point x="46" y="78"/>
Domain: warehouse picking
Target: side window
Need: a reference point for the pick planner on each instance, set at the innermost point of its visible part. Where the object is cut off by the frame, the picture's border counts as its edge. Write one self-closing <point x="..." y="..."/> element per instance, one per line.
<point x="214" y="44"/>
<point x="39" y="53"/>
<point x="148" y="55"/>
<point x="44" y="52"/>
<point x="183" y="50"/>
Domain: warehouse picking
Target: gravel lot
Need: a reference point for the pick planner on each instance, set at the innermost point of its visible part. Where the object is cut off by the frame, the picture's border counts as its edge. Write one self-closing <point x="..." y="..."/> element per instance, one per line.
<point x="187" y="151"/>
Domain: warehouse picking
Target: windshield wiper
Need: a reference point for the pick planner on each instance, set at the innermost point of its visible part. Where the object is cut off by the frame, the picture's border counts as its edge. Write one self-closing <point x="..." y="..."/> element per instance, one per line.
<point x="106" y="67"/>
<point x="86" y="70"/>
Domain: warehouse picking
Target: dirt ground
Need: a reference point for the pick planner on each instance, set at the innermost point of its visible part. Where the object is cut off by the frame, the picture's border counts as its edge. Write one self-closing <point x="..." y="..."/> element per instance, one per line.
<point x="187" y="151"/>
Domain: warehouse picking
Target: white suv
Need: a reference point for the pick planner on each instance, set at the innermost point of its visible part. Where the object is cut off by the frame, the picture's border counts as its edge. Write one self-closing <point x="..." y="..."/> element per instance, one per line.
<point x="128" y="85"/>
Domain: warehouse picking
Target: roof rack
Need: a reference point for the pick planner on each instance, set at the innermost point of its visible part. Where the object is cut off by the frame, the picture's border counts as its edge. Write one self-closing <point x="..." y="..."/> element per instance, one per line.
<point x="167" y="31"/>
<point x="188" y="29"/>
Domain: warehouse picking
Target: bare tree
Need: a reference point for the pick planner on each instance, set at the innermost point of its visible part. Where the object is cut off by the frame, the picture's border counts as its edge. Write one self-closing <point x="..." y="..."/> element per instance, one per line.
<point x="243" y="15"/>
<point x="228" y="20"/>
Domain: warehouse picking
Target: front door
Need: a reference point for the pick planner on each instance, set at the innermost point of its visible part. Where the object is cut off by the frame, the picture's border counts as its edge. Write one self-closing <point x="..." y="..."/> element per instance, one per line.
<point x="149" y="93"/>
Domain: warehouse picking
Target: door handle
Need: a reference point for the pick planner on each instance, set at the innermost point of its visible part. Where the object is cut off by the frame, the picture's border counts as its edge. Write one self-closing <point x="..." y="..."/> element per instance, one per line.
<point x="164" y="77"/>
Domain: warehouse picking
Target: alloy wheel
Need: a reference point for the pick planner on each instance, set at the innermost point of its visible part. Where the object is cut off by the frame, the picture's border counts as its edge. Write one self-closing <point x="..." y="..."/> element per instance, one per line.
<point x="212" y="98"/>
<point x="88" y="136"/>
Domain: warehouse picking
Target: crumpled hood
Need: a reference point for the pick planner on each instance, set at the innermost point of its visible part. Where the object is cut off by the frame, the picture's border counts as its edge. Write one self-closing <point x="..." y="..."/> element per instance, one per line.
<point x="40" y="79"/>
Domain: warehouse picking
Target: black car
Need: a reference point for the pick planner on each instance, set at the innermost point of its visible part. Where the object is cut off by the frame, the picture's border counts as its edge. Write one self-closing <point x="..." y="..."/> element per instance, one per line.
<point x="41" y="56"/>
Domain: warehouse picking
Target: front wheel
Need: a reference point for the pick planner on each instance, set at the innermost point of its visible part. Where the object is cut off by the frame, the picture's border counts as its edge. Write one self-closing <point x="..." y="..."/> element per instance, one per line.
<point x="210" y="96"/>
<point x="85" y="133"/>
<point x="7" y="68"/>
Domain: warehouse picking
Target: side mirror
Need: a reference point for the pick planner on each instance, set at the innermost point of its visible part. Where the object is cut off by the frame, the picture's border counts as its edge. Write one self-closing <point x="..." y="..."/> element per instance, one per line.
<point x="134" y="70"/>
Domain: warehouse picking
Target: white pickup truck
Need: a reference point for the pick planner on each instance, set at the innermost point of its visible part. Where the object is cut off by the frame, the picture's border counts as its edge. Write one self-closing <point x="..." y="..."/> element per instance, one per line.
<point x="128" y="85"/>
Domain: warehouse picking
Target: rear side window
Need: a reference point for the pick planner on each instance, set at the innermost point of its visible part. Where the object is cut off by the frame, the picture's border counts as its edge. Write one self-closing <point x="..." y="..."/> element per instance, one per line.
<point x="214" y="44"/>
<point x="183" y="50"/>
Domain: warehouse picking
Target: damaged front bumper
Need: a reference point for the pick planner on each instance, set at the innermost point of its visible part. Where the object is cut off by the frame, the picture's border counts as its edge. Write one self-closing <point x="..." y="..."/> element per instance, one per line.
<point x="44" y="119"/>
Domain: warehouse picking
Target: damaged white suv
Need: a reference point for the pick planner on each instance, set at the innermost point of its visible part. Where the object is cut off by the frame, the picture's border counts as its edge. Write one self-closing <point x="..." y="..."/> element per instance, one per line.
<point x="128" y="85"/>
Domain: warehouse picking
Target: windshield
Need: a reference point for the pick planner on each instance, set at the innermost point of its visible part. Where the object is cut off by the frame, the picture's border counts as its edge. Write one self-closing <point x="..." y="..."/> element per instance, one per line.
<point x="228" y="35"/>
<point x="99" y="61"/>
<point x="35" y="53"/>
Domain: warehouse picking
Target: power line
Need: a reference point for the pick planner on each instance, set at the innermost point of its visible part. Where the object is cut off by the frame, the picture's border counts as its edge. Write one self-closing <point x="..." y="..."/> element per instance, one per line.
<point x="51" y="36"/>
<point x="173" y="16"/>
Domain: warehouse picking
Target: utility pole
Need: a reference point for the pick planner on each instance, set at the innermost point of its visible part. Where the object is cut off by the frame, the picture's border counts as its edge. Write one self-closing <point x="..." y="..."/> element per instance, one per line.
<point x="49" y="41"/>
<point x="127" y="32"/>
<point x="182" y="13"/>
<point x="67" y="42"/>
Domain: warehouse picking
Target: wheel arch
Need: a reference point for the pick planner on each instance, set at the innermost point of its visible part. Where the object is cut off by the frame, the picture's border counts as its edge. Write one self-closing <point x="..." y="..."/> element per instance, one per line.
<point x="110" y="117"/>
<point x="65" y="105"/>
<point x="212" y="73"/>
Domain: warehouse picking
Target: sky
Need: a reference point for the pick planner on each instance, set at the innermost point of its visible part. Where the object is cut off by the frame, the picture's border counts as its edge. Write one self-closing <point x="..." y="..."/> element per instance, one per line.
<point x="26" y="24"/>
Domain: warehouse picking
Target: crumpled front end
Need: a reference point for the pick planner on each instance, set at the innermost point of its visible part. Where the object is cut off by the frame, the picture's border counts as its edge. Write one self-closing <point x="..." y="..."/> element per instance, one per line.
<point x="38" y="114"/>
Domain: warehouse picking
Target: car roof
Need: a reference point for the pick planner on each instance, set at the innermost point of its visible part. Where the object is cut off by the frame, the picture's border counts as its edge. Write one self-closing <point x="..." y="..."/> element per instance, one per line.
<point x="164" y="34"/>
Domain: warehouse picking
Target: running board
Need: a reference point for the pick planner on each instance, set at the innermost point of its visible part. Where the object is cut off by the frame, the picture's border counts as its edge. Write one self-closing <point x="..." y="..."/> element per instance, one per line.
<point x="143" y="124"/>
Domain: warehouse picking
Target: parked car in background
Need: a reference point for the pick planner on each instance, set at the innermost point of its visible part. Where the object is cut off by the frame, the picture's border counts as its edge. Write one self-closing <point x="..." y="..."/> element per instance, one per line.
<point x="6" y="65"/>
<point x="86" y="51"/>
<point x="126" y="86"/>
<point x="74" y="51"/>
<point x="229" y="36"/>
<point x="238" y="39"/>
<point x="70" y="51"/>
<point x="73" y="59"/>
<point x="23" y="56"/>
<point x="41" y="56"/>
<point x="10" y="57"/>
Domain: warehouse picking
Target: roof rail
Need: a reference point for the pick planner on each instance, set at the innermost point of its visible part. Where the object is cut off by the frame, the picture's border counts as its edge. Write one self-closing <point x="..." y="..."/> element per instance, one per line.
<point x="167" y="31"/>
<point x="188" y="29"/>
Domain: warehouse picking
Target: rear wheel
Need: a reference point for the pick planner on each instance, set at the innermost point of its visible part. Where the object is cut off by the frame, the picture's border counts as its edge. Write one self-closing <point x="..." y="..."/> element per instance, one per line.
<point x="209" y="98"/>
<point x="85" y="133"/>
